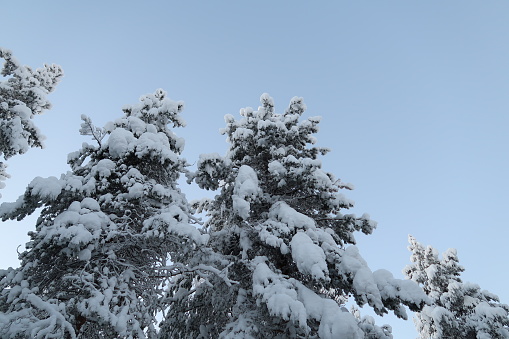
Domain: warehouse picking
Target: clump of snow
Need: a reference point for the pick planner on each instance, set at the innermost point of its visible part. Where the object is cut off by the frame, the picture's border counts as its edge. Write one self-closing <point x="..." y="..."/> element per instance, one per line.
<point x="309" y="257"/>
<point x="282" y="212"/>
<point x="85" y="254"/>
<point x="48" y="188"/>
<point x="152" y="143"/>
<point x="104" y="168"/>
<point x="280" y="295"/>
<point x="246" y="187"/>
<point x="291" y="300"/>
<point x="118" y="142"/>
<point x="276" y="168"/>
<point x="355" y="268"/>
<point x="270" y="233"/>
<point x="174" y="221"/>
<point x="334" y="322"/>
<point x="91" y="204"/>
<point x="241" y="206"/>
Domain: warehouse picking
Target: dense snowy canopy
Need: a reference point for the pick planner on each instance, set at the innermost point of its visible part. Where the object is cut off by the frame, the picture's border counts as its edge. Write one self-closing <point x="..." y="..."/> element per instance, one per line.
<point x="413" y="97"/>
<point x="96" y="265"/>
<point x="277" y="220"/>
<point x="117" y="250"/>
<point x="117" y="247"/>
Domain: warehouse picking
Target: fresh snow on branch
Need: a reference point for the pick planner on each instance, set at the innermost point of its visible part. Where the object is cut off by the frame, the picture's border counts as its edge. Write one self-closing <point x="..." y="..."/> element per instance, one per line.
<point x="458" y="309"/>
<point x="277" y="223"/>
<point x="96" y="261"/>
<point x="22" y="96"/>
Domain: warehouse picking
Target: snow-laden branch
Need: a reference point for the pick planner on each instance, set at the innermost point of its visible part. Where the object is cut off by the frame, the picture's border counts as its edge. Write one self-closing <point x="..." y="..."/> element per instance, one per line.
<point x="177" y="269"/>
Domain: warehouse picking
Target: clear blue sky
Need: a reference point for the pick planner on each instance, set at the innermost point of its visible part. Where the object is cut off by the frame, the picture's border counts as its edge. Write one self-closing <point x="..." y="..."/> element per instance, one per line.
<point x="413" y="95"/>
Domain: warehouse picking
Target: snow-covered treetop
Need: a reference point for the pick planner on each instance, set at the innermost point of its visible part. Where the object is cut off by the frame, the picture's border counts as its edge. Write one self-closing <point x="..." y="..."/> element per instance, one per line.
<point x="458" y="309"/>
<point x="433" y="273"/>
<point x="277" y="135"/>
<point x="279" y="148"/>
<point x="143" y="133"/>
<point x="157" y="109"/>
<point x="138" y="145"/>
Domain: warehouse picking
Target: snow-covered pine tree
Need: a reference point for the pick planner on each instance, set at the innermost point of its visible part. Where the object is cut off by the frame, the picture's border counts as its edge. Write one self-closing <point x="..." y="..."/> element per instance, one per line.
<point x="96" y="264"/>
<point x="459" y="309"/>
<point x="278" y="220"/>
<point x="22" y="96"/>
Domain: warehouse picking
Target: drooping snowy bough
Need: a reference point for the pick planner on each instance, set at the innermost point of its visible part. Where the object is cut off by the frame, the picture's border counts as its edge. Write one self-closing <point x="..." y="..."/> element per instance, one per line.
<point x="277" y="221"/>
<point x="459" y="309"/>
<point x="22" y="96"/>
<point x="97" y="262"/>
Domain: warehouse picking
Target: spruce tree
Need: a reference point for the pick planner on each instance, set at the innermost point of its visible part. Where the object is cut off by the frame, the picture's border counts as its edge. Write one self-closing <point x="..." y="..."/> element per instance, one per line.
<point x="277" y="220"/>
<point x="459" y="309"/>
<point x="96" y="265"/>
<point x="22" y="96"/>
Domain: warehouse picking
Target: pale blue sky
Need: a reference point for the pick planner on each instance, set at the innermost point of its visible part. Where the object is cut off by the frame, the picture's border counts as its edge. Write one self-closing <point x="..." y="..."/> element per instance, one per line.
<point x="413" y="95"/>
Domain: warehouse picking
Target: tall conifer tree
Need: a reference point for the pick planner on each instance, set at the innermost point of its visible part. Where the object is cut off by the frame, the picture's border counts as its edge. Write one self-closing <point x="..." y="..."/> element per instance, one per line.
<point x="278" y="221"/>
<point x="96" y="264"/>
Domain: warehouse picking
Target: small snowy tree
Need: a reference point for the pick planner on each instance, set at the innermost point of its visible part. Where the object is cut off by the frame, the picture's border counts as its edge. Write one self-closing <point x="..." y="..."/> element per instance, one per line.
<point x="22" y="96"/>
<point x="277" y="219"/>
<point x="459" y="309"/>
<point x="96" y="264"/>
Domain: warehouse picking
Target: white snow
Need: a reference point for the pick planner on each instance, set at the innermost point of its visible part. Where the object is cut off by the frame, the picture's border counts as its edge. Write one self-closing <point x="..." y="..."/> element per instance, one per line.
<point x="276" y="168"/>
<point x="279" y="295"/>
<point x="118" y="142"/>
<point x="282" y="212"/>
<point x="246" y="187"/>
<point x="334" y="323"/>
<point x="292" y="301"/>
<point x="104" y="168"/>
<point x="241" y="207"/>
<point x="176" y="222"/>
<point x="309" y="257"/>
<point x="354" y="266"/>
<point x="47" y="188"/>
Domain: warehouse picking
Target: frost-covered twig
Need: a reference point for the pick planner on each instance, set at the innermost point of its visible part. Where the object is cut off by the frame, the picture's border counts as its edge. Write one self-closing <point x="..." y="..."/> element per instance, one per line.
<point x="87" y="128"/>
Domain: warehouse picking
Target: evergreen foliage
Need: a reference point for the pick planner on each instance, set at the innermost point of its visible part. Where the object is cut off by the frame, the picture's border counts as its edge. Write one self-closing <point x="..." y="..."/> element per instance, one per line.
<point x="459" y="309"/>
<point x="96" y="265"/>
<point x="22" y="96"/>
<point x="277" y="222"/>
